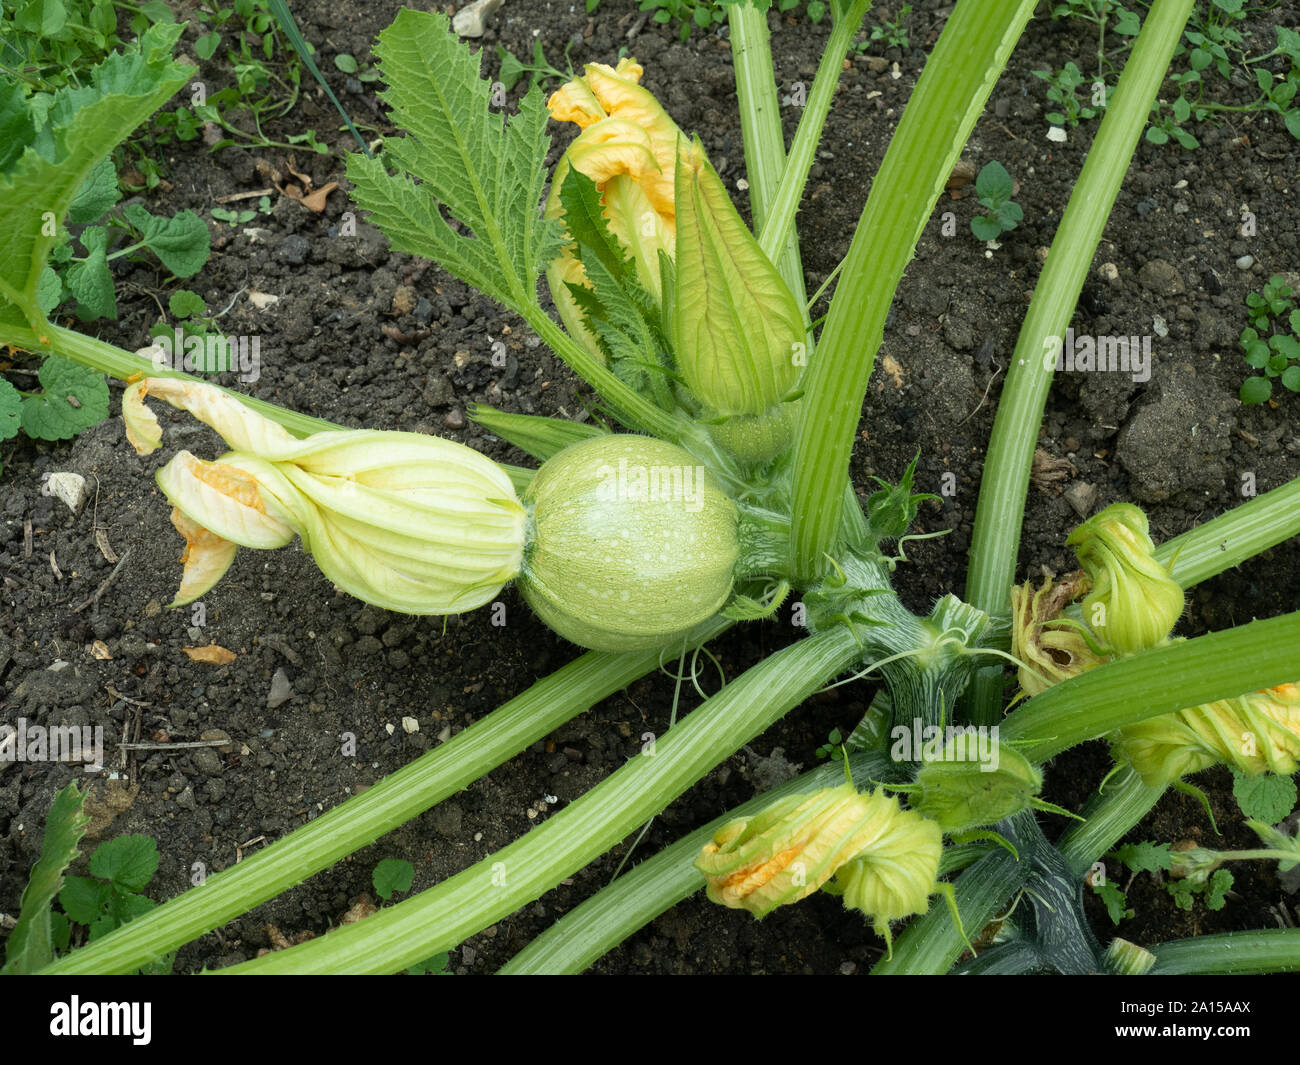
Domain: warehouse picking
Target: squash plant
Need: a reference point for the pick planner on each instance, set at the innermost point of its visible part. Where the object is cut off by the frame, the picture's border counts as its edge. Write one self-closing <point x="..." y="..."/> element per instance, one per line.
<point x="730" y="491"/>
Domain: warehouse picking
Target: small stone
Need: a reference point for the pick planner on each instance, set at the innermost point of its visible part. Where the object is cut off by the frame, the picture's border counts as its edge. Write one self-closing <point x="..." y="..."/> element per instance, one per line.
<point x="454" y="419"/>
<point x="471" y="21"/>
<point x="70" y="487"/>
<point x="293" y="249"/>
<point x="410" y="725"/>
<point x="877" y="64"/>
<point x="281" y="690"/>
<point x="185" y="800"/>
<point x="207" y="761"/>
<point x="1245" y="262"/>
<point x="213" y="734"/>
<point x="1109" y="273"/>
<point x="1057" y="134"/>
<point x="1081" y="496"/>
<point x="1161" y="277"/>
<point x="403" y="299"/>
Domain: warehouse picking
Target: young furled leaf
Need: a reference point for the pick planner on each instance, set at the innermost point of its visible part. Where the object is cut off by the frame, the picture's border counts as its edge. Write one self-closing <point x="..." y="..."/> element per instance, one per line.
<point x="458" y="153"/>
<point x="74" y="399"/>
<point x="30" y="945"/>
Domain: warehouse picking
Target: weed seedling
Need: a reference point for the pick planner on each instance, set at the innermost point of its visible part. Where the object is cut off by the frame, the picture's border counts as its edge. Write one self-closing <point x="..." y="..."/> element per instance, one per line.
<point x="994" y="187"/>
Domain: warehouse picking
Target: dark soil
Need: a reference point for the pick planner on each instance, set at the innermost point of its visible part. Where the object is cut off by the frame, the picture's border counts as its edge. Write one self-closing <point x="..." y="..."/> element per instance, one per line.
<point x="1179" y="445"/>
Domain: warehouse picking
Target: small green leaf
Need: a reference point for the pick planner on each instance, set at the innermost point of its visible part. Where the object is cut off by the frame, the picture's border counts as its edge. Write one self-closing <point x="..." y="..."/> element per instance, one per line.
<point x="437" y="965"/>
<point x="392" y="875"/>
<point x="345" y="63"/>
<point x="60" y="931"/>
<point x="1256" y="390"/>
<point x="127" y="906"/>
<point x="11" y="402"/>
<point x="97" y="194"/>
<point x="186" y="304"/>
<point x="1266" y="797"/>
<point x="1291" y="378"/>
<point x="74" y="398"/>
<point x="182" y="242"/>
<point x="1217" y="889"/>
<point x="89" y="280"/>
<point x="1145" y="857"/>
<point x="1115" y="899"/>
<point x="49" y="290"/>
<point x="206" y="46"/>
<point x="986" y="227"/>
<point x="129" y="862"/>
<point x="1293" y="123"/>
<point x="1257" y="354"/>
<point x="83" y="898"/>
<point x="994" y="184"/>
<point x="1156" y="135"/>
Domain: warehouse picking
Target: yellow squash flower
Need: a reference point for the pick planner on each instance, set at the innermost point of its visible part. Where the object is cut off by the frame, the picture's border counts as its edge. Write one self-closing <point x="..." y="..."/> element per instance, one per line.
<point x="1257" y="732"/>
<point x="408" y="522"/>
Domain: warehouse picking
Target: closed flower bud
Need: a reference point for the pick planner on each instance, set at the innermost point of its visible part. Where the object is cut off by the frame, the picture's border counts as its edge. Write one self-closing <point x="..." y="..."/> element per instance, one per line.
<point x="737" y="330"/>
<point x="408" y="522"/>
<point x="1050" y="649"/>
<point x="973" y="786"/>
<point x="1256" y="733"/>
<point x="791" y="848"/>
<point x="1134" y="603"/>
<point x="632" y="543"/>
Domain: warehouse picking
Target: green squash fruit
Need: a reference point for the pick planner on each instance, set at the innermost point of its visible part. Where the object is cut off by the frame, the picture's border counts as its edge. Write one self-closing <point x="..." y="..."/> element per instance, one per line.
<point x="631" y="543"/>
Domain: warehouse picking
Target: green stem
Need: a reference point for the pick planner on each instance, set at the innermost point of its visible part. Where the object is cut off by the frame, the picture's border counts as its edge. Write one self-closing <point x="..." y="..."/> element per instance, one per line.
<point x="441" y="917"/>
<point x="1108" y="817"/>
<point x="950" y="95"/>
<point x="1234" y="537"/>
<point x="760" y="127"/>
<point x="995" y="540"/>
<point x="778" y="228"/>
<point x="1185" y="673"/>
<point x="632" y="901"/>
<point x="353" y="824"/>
<point x="1272" y="951"/>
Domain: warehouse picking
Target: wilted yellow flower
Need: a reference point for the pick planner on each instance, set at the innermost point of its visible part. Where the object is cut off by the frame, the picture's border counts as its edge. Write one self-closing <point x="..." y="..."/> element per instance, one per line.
<point x="1052" y="650"/>
<point x="790" y="849"/>
<point x="408" y="522"/>
<point x="1134" y="603"/>
<point x="1257" y="732"/>
<point x="897" y="869"/>
<point x="628" y="148"/>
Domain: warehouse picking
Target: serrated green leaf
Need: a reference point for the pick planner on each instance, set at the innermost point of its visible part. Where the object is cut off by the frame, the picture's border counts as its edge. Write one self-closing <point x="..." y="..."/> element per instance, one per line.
<point x="986" y="227"/>
<point x="89" y="280"/>
<point x="11" y="402"/>
<point x="97" y="194"/>
<point x="1265" y="797"/>
<point x="74" y="398"/>
<point x="585" y="223"/>
<point x="1146" y="857"/>
<point x="182" y="242"/>
<point x="1217" y="889"/>
<point x="83" y="898"/>
<point x="127" y="906"/>
<point x="83" y="126"/>
<point x="487" y="170"/>
<point x="49" y="291"/>
<point x="30" y="945"/>
<point x="1115" y="899"/>
<point x="392" y="875"/>
<point x="186" y="304"/>
<point x="128" y="862"/>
